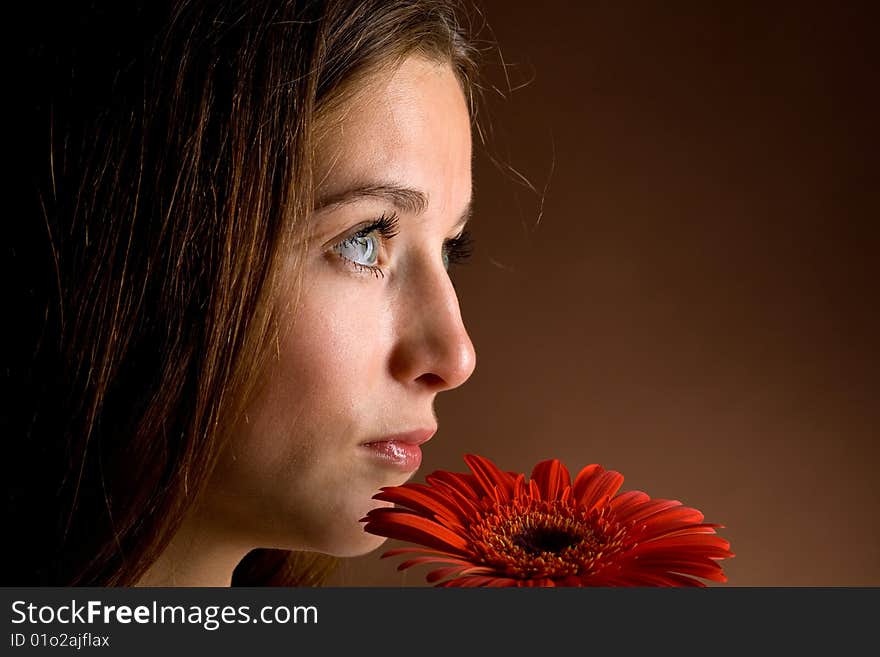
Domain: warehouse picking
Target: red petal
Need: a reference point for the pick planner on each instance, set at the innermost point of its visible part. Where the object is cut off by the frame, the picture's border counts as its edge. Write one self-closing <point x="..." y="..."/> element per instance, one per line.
<point x="479" y="580"/>
<point x="519" y="487"/>
<point x="500" y="582"/>
<point x="638" y="513"/>
<point x="418" y="561"/>
<point x="536" y="583"/>
<point x="667" y="519"/>
<point x="424" y="500"/>
<point x="664" y="579"/>
<point x="690" y="530"/>
<point x="552" y="477"/>
<point x="661" y="548"/>
<point x="584" y="478"/>
<point x="678" y="579"/>
<point x="489" y="476"/>
<point x="465" y="484"/>
<point x="405" y="526"/>
<point x="624" y="503"/>
<point x="465" y="499"/>
<point x="534" y="490"/>
<point x="398" y="551"/>
<point x="600" y="490"/>
<point x="686" y="541"/>
<point x="443" y="573"/>
<point x="453" y="571"/>
<point x="701" y="566"/>
<point x="566" y="494"/>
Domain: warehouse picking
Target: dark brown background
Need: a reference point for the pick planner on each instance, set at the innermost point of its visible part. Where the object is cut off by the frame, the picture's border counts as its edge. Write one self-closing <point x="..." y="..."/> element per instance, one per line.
<point x="694" y="301"/>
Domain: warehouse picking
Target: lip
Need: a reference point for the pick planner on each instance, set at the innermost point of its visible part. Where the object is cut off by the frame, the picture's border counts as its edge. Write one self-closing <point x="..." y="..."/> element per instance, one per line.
<point x="415" y="437"/>
<point x="401" y="450"/>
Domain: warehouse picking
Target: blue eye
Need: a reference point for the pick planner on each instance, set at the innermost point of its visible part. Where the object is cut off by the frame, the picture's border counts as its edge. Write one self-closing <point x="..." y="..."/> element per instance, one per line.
<point x="361" y="250"/>
<point x="457" y="251"/>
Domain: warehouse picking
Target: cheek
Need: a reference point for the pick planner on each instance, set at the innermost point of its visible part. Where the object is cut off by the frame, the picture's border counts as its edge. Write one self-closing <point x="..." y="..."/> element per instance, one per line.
<point x="292" y="463"/>
<point x="324" y="373"/>
<point x="336" y="340"/>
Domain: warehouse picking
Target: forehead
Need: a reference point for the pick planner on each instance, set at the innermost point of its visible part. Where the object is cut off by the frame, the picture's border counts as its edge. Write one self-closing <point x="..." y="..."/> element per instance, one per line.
<point x="409" y="126"/>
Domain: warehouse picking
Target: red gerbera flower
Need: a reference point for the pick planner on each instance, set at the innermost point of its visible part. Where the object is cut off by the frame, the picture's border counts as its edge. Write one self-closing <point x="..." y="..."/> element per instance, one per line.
<point x="494" y="528"/>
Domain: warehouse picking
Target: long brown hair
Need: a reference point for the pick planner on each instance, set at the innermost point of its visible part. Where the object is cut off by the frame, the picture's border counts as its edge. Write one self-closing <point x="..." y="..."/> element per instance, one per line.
<point x="166" y="164"/>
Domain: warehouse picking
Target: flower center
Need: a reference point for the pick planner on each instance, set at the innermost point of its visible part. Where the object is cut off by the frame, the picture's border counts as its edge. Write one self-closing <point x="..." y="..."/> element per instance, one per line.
<point x="529" y="538"/>
<point x="545" y="539"/>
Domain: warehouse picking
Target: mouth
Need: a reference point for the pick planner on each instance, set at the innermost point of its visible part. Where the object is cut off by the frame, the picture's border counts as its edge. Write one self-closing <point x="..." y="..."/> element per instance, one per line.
<point x="400" y="451"/>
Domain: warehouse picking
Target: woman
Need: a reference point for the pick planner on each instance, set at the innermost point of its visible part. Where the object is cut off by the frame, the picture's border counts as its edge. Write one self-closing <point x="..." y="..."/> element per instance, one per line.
<point x="231" y="279"/>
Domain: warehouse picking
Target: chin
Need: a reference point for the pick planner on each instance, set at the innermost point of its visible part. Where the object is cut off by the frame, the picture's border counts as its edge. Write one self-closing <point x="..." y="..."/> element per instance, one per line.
<point x="345" y="538"/>
<point x="359" y="547"/>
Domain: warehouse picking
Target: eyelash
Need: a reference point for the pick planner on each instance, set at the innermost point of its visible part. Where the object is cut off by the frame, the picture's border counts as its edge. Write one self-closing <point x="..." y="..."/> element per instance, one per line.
<point x="458" y="249"/>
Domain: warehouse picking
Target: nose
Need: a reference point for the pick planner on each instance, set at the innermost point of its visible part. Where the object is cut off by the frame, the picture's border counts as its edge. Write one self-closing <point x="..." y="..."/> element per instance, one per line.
<point x="432" y="347"/>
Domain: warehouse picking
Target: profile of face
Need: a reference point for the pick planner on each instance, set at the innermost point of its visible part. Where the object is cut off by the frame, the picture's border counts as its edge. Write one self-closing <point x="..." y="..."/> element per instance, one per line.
<point x="377" y="333"/>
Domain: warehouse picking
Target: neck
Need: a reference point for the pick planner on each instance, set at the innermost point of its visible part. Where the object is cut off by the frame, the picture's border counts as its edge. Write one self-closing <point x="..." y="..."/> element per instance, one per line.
<point x="196" y="556"/>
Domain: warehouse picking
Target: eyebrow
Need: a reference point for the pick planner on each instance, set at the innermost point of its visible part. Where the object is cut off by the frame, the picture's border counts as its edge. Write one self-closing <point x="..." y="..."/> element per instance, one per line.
<point x="405" y="199"/>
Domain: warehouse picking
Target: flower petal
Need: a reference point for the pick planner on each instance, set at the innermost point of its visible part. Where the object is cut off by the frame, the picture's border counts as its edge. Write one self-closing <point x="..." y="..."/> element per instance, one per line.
<point x="519" y="487"/>
<point x="534" y="490"/>
<point x="453" y="571"/>
<point x="490" y="476"/>
<point x="584" y="478"/>
<point x="671" y="518"/>
<point x="682" y="546"/>
<point x="552" y="477"/>
<point x="418" y="561"/>
<point x="638" y="513"/>
<point x="467" y="501"/>
<point x="463" y="483"/>
<point x="479" y="580"/>
<point x="437" y="553"/>
<point x="405" y="526"/>
<point x="424" y="499"/>
<point x="600" y="490"/>
<point x="632" y="574"/>
<point x="624" y="503"/>
<point x="704" y="568"/>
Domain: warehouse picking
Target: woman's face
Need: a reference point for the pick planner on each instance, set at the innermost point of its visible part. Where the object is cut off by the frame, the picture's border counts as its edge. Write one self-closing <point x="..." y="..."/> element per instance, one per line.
<point x="377" y="333"/>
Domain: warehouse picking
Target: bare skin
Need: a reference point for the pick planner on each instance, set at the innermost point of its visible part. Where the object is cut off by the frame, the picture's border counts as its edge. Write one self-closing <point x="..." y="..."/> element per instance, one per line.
<point x="368" y="351"/>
